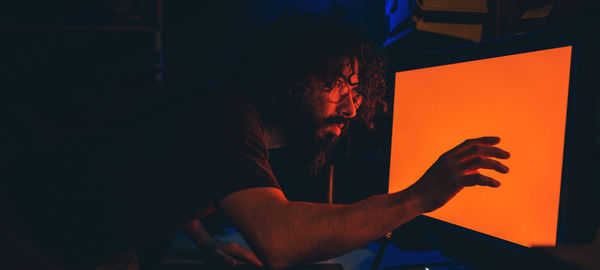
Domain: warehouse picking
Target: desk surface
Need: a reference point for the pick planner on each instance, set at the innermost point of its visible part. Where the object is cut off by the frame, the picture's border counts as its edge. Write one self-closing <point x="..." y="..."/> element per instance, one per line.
<point x="571" y="257"/>
<point x="359" y="259"/>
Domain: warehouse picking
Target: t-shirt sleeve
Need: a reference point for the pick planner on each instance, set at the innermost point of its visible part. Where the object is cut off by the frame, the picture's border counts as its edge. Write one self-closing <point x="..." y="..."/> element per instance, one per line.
<point x="244" y="161"/>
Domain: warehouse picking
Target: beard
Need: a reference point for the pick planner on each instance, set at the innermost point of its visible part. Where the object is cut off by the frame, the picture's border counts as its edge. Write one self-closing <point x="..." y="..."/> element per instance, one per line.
<point x="304" y="132"/>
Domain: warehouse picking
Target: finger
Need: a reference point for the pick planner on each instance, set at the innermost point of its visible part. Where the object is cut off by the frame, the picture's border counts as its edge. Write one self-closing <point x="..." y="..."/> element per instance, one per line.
<point x="244" y="253"/>
<point x="482" y="150"/>
<point x="479" y="162"/>
<point x="226" y="258"/>
<point x="490" y="140"/>
<point x="479" y="179"/>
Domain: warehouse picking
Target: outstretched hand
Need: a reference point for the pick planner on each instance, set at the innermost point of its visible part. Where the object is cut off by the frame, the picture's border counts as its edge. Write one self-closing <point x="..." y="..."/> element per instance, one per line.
<point x="457" y="169"/>
<point x="230" y="253"/>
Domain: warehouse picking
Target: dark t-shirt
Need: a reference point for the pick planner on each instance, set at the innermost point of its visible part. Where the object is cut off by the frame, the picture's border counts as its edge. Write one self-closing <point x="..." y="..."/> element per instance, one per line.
<point x="89" y="176"/>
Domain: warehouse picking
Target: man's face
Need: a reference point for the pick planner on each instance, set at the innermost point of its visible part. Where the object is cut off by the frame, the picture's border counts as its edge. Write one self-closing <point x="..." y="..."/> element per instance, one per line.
<point x="335" y="105"/>
<point x="324" y="113"/>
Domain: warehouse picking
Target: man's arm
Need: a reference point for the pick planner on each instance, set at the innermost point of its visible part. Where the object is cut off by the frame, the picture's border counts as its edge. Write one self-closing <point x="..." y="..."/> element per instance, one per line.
<point x="283" y="233"/>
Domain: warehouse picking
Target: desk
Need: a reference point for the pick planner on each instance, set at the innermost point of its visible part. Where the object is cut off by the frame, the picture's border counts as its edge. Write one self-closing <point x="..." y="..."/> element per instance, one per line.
<point x="358" y="259"/>
<point x="568" y="257"/>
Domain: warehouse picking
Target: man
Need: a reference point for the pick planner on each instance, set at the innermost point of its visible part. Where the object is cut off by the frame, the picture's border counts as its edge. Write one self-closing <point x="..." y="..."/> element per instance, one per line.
<point x="306" y="92"/>
<point x="148" y="164"/>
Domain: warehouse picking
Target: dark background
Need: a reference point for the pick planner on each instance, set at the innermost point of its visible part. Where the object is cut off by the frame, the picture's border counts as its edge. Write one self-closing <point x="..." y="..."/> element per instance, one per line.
<point x="52" y="50"/>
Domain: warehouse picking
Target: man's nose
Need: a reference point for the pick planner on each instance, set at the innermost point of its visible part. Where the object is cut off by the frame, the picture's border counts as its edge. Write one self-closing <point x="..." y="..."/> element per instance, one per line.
<point x="346" y="107"/>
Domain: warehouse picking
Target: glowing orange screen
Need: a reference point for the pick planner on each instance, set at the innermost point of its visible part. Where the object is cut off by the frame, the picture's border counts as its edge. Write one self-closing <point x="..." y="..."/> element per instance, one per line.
<point x="521" y="98"/>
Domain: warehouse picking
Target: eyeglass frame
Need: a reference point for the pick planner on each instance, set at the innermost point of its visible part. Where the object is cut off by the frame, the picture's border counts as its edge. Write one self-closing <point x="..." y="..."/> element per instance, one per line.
<point x="346" y="85"/>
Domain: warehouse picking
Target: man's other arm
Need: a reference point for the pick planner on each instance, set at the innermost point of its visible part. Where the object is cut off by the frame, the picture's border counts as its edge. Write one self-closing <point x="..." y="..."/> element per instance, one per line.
<point x="228" y="252"/>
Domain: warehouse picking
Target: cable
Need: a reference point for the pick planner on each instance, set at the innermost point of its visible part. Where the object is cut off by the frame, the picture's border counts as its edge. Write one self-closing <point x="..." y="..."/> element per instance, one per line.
<point x="379" y="256"/>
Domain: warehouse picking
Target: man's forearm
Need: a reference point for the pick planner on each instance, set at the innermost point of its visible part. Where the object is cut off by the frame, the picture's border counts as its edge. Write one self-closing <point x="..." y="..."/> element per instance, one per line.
<point x="285" y="233"/>
<point x="341" y="228"/>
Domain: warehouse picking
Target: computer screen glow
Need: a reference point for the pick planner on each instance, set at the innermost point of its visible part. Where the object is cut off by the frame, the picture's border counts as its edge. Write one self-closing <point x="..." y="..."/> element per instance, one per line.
<point x="521" y="98"/>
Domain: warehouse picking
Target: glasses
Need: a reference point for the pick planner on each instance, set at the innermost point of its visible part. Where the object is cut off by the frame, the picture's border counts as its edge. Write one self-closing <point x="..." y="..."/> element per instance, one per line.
<point x="342" y="87"/>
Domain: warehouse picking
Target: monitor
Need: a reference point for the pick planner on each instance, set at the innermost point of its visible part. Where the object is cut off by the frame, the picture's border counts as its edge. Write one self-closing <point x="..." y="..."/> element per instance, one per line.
<point x="517" y="88"/>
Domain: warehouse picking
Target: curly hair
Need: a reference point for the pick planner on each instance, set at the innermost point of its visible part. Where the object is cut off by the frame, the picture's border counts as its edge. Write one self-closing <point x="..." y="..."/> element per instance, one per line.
<point x="299" y="45"/>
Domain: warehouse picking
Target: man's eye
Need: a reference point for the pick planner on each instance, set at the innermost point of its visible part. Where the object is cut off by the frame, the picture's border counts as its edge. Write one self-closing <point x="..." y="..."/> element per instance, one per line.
<point x="358" y="98"/>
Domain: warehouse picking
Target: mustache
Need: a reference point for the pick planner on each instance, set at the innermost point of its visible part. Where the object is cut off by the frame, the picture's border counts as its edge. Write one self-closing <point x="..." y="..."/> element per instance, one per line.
<point x="333" y="120"/>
